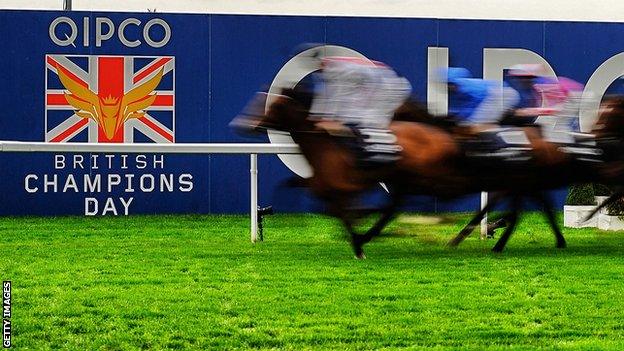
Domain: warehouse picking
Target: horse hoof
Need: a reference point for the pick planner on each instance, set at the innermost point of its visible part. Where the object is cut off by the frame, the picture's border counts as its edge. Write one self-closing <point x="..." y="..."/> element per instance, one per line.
<point x="359" y="252"/>
<point x="561" y="245"/>
<point x="497" y="249"/>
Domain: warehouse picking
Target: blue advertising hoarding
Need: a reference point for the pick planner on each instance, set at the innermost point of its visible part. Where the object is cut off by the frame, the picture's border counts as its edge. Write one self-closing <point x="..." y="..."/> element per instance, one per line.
<point x="204" y="69"/>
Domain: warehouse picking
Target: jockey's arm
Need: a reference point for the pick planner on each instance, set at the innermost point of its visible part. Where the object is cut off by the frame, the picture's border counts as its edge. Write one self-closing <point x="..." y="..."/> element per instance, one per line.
<point x="535" y="111"/>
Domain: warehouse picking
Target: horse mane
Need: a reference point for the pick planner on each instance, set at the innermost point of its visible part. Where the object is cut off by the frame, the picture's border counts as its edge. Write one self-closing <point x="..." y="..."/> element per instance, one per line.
<point x="413" y="110"/>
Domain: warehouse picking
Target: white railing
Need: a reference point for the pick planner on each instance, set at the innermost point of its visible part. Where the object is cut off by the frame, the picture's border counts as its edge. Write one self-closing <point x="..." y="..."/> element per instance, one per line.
<point x="185" y="148"/>
<point x="179" y="148"/>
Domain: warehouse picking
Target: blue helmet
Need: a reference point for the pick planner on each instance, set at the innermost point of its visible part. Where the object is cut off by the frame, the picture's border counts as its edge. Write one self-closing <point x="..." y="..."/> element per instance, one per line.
<point x="452" y="74"/>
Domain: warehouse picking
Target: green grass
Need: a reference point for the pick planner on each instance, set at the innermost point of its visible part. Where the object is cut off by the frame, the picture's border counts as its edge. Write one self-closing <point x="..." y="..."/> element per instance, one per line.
<point x="196" y="282"/>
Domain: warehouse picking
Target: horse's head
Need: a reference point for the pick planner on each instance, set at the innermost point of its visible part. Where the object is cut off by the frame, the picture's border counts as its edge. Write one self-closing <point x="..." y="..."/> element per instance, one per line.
<point x="610" y="122"/>
<point x="282" y="112"/>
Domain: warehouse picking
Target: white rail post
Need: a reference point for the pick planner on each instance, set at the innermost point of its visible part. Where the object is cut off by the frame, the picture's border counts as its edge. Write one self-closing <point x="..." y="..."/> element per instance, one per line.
<point x="484" y="201"/>
<point x="253" y="170"/>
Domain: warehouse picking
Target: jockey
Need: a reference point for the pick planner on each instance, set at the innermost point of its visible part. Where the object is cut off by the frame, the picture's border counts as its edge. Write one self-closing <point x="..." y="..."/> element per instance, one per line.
<point x="523" y="78"/>
<point x="557" y="98"/>
<point x="478" y="105"/>
<point x="477" y="102"/>
<point x="561" y="99"/>
<point x="362" y="96"/>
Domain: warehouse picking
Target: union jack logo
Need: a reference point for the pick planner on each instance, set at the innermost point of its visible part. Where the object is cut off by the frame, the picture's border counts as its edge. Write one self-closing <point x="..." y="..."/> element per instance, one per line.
<point x="110" y="99"/>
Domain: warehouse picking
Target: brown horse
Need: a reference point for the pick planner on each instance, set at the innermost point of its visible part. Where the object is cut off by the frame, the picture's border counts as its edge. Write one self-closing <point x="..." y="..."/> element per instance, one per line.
<point x="337" y="179"/>
<point x="547" y="159"/>
<point x="609" y="132"/>
<point x="431" y="164"/>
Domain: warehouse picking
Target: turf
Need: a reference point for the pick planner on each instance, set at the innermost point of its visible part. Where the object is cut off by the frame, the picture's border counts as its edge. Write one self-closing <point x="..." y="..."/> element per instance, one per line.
<point x="196" y="282"/>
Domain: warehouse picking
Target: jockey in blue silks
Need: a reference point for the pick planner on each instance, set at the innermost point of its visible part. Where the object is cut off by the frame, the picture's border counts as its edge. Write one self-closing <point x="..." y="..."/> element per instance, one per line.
<point x="476" y="101"/>
<point x="478" y="105"/>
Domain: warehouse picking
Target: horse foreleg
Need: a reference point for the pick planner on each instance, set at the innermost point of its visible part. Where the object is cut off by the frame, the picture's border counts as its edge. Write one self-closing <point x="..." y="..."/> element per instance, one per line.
<point x="469" y="228"/>
<point x="549" y="213"/>
<point x="387" y="214"/>
<point x="357" y="240"/>
<point x="611" y="199"/>
<point x="512" y="220"/>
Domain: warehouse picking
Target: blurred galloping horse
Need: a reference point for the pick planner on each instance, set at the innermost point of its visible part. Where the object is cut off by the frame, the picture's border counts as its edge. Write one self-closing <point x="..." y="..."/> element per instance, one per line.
<point x="432" y="163"/>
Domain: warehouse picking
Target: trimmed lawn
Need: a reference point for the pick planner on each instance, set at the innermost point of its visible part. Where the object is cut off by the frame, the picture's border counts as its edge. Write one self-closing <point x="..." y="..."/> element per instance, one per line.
<point x="196" y="282"/>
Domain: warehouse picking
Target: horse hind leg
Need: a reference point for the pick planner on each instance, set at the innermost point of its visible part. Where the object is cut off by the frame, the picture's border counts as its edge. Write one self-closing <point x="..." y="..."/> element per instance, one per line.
<point x="611" y="199"/>
<point x="469" y="228"/>
<point x="512" y="221"/>
<point x="357" y="242"/>
<point x="549" y="213"/>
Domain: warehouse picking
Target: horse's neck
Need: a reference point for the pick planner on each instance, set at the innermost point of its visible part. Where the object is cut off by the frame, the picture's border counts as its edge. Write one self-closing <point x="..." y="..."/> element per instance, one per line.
<point x="333" y="165"/>
<point x="313" y="144"/>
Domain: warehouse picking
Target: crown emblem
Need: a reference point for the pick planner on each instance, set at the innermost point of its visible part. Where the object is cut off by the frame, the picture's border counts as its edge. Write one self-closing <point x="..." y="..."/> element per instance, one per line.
<point x="109" y="100"/>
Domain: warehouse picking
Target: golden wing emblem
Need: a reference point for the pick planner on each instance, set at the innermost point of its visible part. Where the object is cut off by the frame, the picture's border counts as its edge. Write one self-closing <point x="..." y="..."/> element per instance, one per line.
<point x="138" y="99"/>
<point x="86" y="103"/>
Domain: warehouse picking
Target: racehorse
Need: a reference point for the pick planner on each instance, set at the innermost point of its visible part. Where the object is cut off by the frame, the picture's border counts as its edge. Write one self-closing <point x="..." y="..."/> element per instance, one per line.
<point x="432" y="163"/>
<point x="609" y="132"/>
<point x="546" y="156"/>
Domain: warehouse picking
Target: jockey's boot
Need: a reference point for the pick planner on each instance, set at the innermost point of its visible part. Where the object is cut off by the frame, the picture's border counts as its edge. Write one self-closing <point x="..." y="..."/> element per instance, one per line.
<point x="483" y="144"/>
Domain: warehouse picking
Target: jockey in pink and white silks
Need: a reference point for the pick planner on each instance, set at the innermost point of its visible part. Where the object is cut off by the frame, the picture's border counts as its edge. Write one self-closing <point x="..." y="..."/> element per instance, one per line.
<point x="557" y="102"/>
<point x="362" y="95"/>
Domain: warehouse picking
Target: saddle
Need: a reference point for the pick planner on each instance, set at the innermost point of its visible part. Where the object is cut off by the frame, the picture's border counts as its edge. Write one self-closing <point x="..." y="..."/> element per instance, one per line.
<point x="493" y="147"/>
<point x="374" y="147"/>
<point x="509" y="147"/>
<point x="378" y="147"/>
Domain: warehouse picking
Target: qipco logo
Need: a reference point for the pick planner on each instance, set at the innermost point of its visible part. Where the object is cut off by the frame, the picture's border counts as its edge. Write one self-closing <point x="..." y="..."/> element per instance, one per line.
<point x="131" y="32"/>
<point x="288" y="77"/>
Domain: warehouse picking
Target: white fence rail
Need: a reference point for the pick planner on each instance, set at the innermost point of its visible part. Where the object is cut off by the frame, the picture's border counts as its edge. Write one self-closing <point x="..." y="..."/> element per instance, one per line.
<point x="184" y="148"/>
<point x="179" y="148"/>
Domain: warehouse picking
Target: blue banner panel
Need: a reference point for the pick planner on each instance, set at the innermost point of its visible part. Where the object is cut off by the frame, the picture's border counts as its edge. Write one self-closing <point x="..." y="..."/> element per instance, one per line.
<point x="177" y="78"/>
<point x="109" y="61"/>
